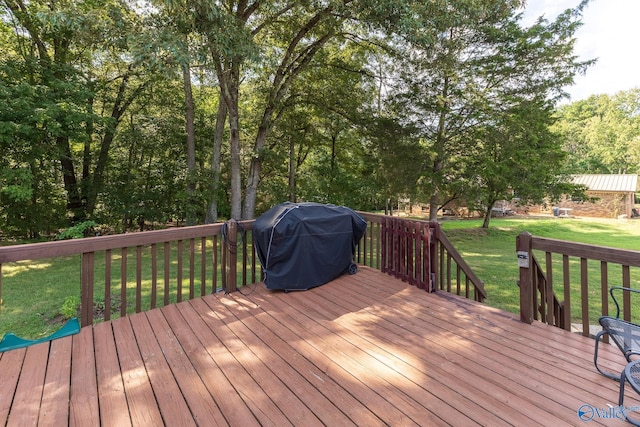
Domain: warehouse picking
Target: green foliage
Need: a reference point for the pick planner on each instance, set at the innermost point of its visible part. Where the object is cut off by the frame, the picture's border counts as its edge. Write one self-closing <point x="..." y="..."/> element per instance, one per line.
<point x="78" y="231"/>
<point x="16" y="184"/>
<point x="345" y="102"/>
<point x="480" y="96"/>
<point x="70" y="307"/>
<point x="601" y="133"/>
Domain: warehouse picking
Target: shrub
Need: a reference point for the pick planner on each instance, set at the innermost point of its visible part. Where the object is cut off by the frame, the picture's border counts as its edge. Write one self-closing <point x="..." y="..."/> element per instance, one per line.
<point x="82" y="229"/>
<point x="70" y="307"/>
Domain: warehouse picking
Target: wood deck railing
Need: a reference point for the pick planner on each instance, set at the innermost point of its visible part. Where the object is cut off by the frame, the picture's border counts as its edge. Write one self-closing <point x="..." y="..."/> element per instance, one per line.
<point x="562" y="289"/>
<point x="418" y="252"/>
<point x="135" y="272"/>
<point x="163" y="263"/>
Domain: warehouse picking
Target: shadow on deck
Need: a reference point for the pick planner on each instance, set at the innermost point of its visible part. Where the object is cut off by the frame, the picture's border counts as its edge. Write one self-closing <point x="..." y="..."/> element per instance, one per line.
<point x="362" y="350"/>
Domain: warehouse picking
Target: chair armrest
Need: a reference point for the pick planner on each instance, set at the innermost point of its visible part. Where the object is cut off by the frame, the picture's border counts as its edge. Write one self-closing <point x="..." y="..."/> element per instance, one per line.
<point x="622" y="290"/>
<point x="595" y="357"/>
<point x="624" y="334"/>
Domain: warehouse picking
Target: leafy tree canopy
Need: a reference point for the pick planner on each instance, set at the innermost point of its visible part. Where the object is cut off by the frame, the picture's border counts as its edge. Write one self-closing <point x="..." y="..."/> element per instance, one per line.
<point x="134" y="114"/>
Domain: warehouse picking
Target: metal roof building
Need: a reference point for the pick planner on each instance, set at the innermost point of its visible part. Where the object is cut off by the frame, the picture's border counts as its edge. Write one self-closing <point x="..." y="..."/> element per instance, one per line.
<point x="617" y="183"/>
<point x="612" y="196"/>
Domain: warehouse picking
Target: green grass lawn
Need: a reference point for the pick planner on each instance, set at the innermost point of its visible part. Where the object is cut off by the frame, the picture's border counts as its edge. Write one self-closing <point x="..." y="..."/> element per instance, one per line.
<point x="36" y="294"/>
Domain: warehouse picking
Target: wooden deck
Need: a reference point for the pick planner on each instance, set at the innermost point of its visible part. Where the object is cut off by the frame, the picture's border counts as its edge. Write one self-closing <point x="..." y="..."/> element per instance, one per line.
<point x="364" y="350"/>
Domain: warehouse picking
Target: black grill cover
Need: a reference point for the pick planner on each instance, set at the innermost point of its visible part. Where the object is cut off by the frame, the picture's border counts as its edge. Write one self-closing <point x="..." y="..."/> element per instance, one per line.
<point x="304" y="245"/>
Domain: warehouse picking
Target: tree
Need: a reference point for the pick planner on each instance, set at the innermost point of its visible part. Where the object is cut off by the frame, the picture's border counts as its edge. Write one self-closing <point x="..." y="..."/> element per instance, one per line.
<point x="318" y="136"/>
<point x="148" y="176"/>
<point x="190" y="110"/>
<point x="520" y="137"/>
<point x="267" y="45"/>
<point x="602" y="133"/>
<point x="482" y="67"/>
<point x="75" y="51"/>
<point x="518" y="157"/>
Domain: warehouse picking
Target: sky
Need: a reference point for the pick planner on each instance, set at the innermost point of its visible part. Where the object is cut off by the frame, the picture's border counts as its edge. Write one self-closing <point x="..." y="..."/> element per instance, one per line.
<point x="610" y="33"/>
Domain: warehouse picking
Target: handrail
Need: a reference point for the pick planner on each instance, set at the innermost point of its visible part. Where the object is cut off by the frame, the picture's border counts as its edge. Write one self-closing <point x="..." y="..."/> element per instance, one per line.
<point x="538" y="301"/>
<point x="32" y="251"/>
<point x="162" y="266"/>
<point x="550" y="308"/>
<point x="451" y="253"/>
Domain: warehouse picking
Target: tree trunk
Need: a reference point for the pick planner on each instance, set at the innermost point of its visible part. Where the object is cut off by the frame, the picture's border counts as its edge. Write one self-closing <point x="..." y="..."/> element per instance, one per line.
<point x="439" y="149"/>
<point x="236" y="187"/>
<point x="292" y="171"/>
<point x="74" y="201"/>
<point x="120" y="106"/>
<point x="191" y="146"/>
<point x="221" y="119"/>
<point x="229" y="78"/>
<point x="290" y="67"/>
<point x="487" y="215"/>
<point x="86" y="155"/>
<point x="433" y="207"/>
<point x="251" y="191"/>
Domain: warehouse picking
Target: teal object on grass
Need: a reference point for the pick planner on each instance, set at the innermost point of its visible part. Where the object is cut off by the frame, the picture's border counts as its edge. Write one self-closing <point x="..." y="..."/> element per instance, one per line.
<point x="10" y="341"/>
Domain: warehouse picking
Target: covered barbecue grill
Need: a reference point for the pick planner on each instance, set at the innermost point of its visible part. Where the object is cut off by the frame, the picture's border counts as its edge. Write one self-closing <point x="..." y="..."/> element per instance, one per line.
<point x="304" y="245"/>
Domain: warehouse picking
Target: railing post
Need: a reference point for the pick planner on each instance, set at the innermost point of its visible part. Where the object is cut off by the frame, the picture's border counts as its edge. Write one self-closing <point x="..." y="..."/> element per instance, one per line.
<point x="523" y="249"/>
<point x="434" y="236"/>
<point x="231" y="248"/>
<point x="86" y="291"/>
<point x="385" y="252"/>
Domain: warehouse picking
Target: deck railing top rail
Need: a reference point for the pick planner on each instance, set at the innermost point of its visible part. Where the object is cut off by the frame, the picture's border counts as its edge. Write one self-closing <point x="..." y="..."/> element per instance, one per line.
<point x="584" y="250"/>
<point x="31" y="251"/>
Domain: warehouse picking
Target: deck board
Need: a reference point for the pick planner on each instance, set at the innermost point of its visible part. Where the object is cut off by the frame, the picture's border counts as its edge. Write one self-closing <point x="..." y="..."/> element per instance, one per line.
<point x="55" y="395"/>
<point x="344" y="402"/>
<point x="110" y="388"/>
<point x="83" y="407"/>
<point x="10" y="367"/>
<point x="201" y="404"/>
<point x="171" y="402"/>
<point x="28" y="393"/>
<point x="277" y="371"/>
<point x="452" y="383"/>
<point x="362" y="350"/>
<point x="202" y="348"/>
<point x="496" y="380"/>
<point x="137" y="385"/>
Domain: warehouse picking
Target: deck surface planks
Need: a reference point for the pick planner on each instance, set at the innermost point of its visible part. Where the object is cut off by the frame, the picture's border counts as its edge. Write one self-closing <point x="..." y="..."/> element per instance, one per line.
<point x="365" y="349"/>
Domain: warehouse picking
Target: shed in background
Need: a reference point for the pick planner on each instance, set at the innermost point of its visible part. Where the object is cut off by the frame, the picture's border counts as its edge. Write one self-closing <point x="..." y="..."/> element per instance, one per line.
<point x="614" y="194"/>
